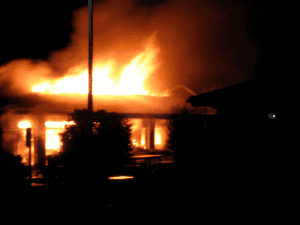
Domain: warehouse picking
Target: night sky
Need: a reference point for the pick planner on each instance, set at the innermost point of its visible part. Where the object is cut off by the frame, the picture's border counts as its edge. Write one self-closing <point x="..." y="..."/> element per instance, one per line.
<point x="204" y="45"/>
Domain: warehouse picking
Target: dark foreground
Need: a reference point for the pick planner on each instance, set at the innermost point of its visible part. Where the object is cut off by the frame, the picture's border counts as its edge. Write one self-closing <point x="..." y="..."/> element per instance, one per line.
<point x="211" y="192"/>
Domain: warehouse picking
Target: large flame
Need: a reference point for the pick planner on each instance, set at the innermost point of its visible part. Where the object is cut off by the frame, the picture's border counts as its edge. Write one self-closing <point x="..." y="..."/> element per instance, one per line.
<point x="52" y="144"/>
<point x="131" y="81"/>
<point x="53" y="129"/>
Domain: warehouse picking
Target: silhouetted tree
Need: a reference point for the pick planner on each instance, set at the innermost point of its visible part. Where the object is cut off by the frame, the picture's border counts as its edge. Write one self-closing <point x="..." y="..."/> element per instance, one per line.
<point x="98" y="145"/>
<point x="12" y="171"/>
<point x="187" y="135"/>
<point x="233" y="159"/>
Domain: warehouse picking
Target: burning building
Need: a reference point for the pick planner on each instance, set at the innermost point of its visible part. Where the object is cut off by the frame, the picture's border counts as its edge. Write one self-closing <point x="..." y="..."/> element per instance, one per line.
<point x="147" y="114"/>
<point x="51" y="100"/>
<point x="138" y="53"/>
<point x="123" y="89"/>
<point x="56" y="98"/>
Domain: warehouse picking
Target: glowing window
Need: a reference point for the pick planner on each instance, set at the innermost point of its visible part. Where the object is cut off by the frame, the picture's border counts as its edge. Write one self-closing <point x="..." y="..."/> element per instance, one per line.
<point x="157" y="136"/>
<point x="57" y="124"/>
<point x="143" y="135"/>
<point x="24" y="124"/>
<point x="53" y="130"/>
<point x="52" y="139"/>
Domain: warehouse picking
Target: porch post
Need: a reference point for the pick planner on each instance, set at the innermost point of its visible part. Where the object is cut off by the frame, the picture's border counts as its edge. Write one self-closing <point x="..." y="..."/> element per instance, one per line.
<point x="39" y="141"/>
<point x="150" y="133"/>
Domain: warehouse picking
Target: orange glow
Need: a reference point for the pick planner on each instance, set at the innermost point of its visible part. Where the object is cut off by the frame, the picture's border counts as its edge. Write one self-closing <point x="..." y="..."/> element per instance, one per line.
<point x="143" y="135"/>
<point x="157" y="136"/>
<point x="22" y="149"/>
<point x="131" y="81"/>
<point x="120" y="177"/>
<point x="53" y="128"/>
<point x="24" y="124"/>
<point x="57" y="124"/>
<point x="134" y="143"/>
<point x="25" y="159"/>
<point x="52" y="139"/>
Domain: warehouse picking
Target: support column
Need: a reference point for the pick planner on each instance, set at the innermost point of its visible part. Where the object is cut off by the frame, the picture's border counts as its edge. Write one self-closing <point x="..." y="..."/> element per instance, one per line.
<point x="39" y="141"/>
<point x="150" y="133"/>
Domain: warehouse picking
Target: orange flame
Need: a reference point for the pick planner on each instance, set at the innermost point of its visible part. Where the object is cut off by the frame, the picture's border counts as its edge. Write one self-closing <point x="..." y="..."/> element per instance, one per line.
<point x="131" y="81"/>
<point x="120" y="177"/>
<point x="53" y="142"/>
<point x="24" y="124"/>
<point x="158" y="136"/>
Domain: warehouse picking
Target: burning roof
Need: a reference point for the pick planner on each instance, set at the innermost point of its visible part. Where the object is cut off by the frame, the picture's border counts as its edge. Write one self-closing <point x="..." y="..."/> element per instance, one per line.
<point x="139" y="53"/>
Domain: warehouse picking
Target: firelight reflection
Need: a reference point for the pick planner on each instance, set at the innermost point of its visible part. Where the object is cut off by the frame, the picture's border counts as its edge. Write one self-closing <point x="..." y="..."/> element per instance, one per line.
<point x="120" y="177"/>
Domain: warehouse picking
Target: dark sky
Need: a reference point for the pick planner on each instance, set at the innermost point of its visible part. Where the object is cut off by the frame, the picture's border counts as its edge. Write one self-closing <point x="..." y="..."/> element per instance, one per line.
<point x="203" y="44"/>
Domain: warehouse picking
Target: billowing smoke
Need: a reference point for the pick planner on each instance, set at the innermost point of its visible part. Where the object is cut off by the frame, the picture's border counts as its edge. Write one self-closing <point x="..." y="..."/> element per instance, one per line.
<point x="199" y="40"/>
<point x="16" y="80"/>
<point x="21" y="74"/>
<point x="203" y="45"/>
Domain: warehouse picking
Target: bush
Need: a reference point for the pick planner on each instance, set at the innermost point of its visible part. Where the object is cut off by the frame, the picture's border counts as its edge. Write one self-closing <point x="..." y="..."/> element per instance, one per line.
<point x="97" y="145"/>
<point x="12" y="171"/>
<point x="186" y="133"/>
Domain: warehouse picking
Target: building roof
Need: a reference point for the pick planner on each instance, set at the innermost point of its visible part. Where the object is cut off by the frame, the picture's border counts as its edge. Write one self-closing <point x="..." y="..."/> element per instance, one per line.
<point x="253" y="93"/>
<point x="65" y="104"/>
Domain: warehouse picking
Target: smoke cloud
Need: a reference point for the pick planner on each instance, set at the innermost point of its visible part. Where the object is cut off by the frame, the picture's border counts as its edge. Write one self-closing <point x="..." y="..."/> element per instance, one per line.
<point x="203" y="44"/>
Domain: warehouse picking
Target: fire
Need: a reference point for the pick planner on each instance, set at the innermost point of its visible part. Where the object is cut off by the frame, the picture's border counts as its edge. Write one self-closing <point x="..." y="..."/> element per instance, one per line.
<point x="143" y="137"/>
<point x="24" y="151"/>
<point x="131" y="81"/>
<point x="53" y="142"/>
<point x="57" y="124"/>
<point x="157" y="136"/>
<point x="120" y="177"/>
<point x="24" y="124"/>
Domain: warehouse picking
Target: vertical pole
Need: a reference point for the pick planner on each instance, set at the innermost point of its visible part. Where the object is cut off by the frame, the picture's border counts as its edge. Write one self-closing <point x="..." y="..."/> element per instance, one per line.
<point x="152" y="134"/>
<point x="28" y="144"/>
<point x="30" y="164"/>
<point x="90" y="95"/>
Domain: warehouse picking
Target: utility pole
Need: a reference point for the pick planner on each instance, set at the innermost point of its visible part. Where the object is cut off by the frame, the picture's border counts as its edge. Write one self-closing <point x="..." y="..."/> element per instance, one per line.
<point x="90" y="95"/>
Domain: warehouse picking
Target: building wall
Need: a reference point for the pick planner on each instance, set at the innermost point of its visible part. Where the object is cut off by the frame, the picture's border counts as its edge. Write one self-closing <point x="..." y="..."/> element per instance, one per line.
<point x="161" y="134"/>
<point x="146" y="133"/>
<point x="14" y="135"/>
<point x="149" y="133"/>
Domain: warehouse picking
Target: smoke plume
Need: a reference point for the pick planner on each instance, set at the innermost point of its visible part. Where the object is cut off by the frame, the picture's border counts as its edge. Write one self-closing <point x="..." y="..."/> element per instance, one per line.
<point x="203" y="45"/>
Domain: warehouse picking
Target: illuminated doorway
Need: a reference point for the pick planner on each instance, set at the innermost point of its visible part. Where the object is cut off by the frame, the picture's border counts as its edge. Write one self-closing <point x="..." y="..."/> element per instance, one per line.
<point x="53" y="130"/>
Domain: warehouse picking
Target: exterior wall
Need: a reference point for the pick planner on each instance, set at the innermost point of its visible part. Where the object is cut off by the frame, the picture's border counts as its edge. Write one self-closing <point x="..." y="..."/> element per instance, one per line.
<point x="161" y="134"/>
<point x="52" y="127"/>
<point x="149" y="133"/>
<point x="14" y="137"/>
<point x="149" y="125"/>
<point x="10" y="138"/>
<point x="39" y="134"/>
<point x="146" y="133"/>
